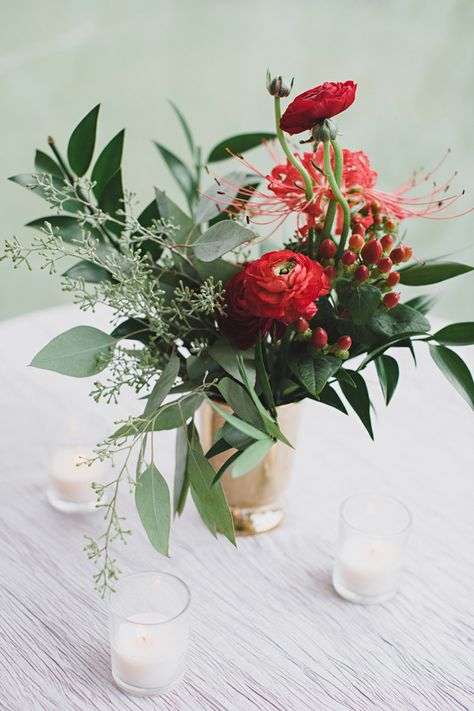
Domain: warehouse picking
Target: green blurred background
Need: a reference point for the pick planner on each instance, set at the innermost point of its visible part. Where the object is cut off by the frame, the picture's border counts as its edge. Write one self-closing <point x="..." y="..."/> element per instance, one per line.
<point x="413" y="62"/>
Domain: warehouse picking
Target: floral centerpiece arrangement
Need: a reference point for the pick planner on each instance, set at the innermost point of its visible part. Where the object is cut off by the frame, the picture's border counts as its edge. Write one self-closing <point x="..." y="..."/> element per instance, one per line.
<point x="205" y="314"/>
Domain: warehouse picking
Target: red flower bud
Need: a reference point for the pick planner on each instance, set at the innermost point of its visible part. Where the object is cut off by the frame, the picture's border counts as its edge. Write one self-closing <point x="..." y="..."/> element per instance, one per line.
<point x="386" y="242"/>
<point x="319" y="338"/>
<point x="358" y="229"/>
<point x="397" y="254"/>
<point x="344" y="342"/>
<point x="348" y="258"/>
<point x="302" y="325"/>
<point x="393" y="279"/>
<point x="408" y="254"/>
<point x="384" y="265"/>
<point x="330" y="272"/>
<point x="391" y="299"/>
<point x="372" y="251"/>
<point x="390" y="224"/>
<point x="356" y="242"/>
<point x="361" y="274"/>
<point x="327" y="249"/>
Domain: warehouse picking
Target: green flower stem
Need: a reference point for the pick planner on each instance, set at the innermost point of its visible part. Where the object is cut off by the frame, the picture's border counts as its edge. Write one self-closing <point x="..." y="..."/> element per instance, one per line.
<point x="307" y="180"/>
<point x="337" y="192"/>
<point x="331" y="211"/>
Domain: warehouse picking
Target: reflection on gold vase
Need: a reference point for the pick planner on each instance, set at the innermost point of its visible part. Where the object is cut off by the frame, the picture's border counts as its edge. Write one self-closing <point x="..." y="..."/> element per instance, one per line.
<point x="254" y="498"/>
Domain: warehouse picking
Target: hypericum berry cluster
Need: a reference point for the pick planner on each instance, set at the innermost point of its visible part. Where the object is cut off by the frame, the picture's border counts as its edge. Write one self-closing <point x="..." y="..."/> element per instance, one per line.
<point x="318" y="338"/>
<point x="371" y="254"/>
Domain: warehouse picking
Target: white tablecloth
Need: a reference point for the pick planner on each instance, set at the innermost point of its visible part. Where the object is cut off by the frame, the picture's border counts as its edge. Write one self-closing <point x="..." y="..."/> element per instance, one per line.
<point x="268" y="632"/>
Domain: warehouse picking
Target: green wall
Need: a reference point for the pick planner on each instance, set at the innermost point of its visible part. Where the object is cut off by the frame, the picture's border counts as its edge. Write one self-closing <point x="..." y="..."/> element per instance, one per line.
<point x="413" y="62"/>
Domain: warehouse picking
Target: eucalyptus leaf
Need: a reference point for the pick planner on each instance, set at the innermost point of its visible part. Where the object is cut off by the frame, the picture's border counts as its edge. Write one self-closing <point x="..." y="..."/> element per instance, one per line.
<point x="89" y="271"/>
<point x="162" y="386"/>
<point x="238" y="144"/>
<point x="81" y="144"/>
<point x="221" y="238"/>
<point x="239" y="424"/>
<point x="220" y="195"/>
<point x="455" y="370"/>
<point x="66" y="226"/>
<point x="152" y="499"/>
<point x="240" y="401"/>
<point x="224" y="354"/>
<point x="181" y="480"/>
<point x="81" y="351"/>
<point x="250" y="457"/>
<point x="187" y="231"/>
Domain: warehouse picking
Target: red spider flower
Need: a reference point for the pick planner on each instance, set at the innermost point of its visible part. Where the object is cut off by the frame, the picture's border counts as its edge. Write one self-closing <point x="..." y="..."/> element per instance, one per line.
<point x="313" y="106"/>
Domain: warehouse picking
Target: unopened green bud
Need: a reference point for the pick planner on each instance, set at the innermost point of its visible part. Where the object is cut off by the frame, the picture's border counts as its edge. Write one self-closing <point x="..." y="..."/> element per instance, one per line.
<point x="324" y="131"/>
<point x="278" y="86"/>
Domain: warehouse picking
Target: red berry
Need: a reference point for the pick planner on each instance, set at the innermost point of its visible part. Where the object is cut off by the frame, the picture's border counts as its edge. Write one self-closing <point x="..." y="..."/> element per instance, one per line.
<point x="372" y="251"/>
<point x="397" y="254"/>
<point x="357" y="218"/>
<point x="386" y="242"/>
<point x="344" y="342"/>
<point x="356" y="242"/>
<point x="361" y="273"/>
<point x="378" y="219"/>
<point x="391" y="299"/>
<point x="390" y="224"/>
<point x="330" y="272"/>
<point x="384" y="265"/>
<point x="358" y="229"/>
<point x="408" y="254"/>
<point x="348" y="258"/>
<point x="393" y="279"/>
<point x="376" y="206"/>
<point x="319" y="338"/>
<point x="327" y="249"/>
<point x="302" y="325"/>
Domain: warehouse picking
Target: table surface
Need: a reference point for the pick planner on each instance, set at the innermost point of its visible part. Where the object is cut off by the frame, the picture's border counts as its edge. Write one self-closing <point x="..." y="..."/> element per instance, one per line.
<point x="268" y="631"/>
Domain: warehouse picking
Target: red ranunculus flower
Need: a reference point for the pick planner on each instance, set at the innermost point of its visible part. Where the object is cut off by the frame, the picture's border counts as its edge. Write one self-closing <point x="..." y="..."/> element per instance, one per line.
<point x="313" y="106"/>
<point x="284" y="285"/>
<point x="238" y="324"/>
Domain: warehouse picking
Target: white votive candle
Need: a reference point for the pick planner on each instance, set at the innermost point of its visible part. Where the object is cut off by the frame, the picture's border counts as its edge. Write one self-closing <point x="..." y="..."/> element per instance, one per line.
<point x="372" y="538"/>
<point x="70" y="479"/>
<point x="148" y="649"/>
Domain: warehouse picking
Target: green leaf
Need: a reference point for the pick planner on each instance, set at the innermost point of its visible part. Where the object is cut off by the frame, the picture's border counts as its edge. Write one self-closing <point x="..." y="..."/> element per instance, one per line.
<point x="170" y="416"/>
<point x="240" y="401"/>
<point x="225" y="354"/>
<point x="220" y="195"/>
<point x="149" y="214"/>
<point x="181" y="480"/>
<point x="358" y="399"/>
<point x="219" y="269"/>
<point x="313" y="373"/>
<point x="455" y="370"/>
<point x="238" y="144"/>
<point x="90" y="272"/>
<point x="402" y="320"/>
<point x="423" y="303"/>
<point x="235" y="438"/>
<point x="212" y="502"/>
<point x="152" y="499"/>
<point x="221" y="238"/>
<point x="81" y="351"/>
<point x="343" y="375"/>
<point x="187" y="231"/>
<point x="250" y="457"/>
<point x="132" y="329"/>
<point x="111" y="200"/>
<point x="432" y="272"/>
<point x="66" y="226"/>
<point x="204" y="513"/>
<point x="108" y="163"/>
<point x="162" y="386"/>
<point x="30" y="182"/>
<point x="329" y="396"/>
<point x="239" y="424"/>
<point x="219" y="446"/>
<point x="388" y="372"/>
<point x="45" y="164"/>
<point x="456" y="334"/>
<point x="364" y="302"/>
<point x="81" y="144"/>
<point x="185" y="127"/>
<point x="180" y="172"/>
<point x="262" y="376"/>
<point x="228" y="463"/>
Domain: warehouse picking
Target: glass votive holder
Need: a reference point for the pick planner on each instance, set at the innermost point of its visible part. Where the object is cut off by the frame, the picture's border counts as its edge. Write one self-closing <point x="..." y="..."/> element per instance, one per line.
<point x="149" y="628"/>
<point x="373" y="533"/>
<point x="70" y="479"/>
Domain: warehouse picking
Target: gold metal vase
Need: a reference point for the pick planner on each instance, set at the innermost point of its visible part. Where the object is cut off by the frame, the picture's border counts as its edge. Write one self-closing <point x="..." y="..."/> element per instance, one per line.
<point x="255" y="498"/>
